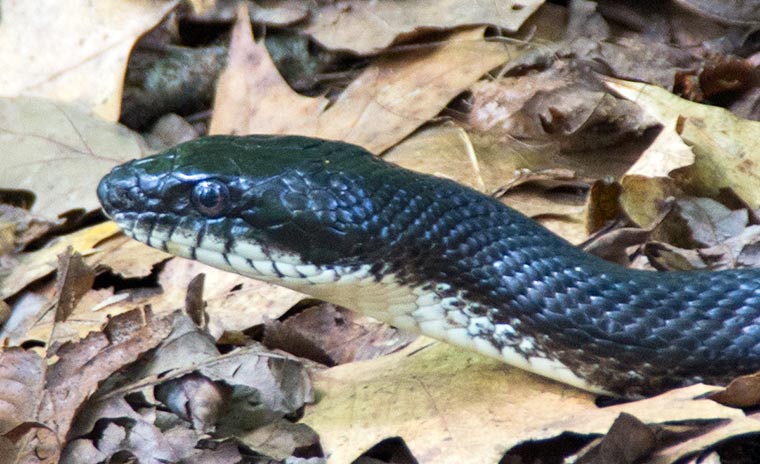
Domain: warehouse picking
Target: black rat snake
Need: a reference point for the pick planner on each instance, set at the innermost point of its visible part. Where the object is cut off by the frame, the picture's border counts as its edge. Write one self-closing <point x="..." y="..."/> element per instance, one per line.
<point x="432" y="256"/>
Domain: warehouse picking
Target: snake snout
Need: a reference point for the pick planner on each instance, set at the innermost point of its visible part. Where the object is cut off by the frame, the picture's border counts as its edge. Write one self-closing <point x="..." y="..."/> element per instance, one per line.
<point x="116" y="191"/>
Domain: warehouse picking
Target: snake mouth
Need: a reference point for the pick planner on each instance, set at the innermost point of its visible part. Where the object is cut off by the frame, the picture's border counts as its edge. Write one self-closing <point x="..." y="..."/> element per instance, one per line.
<point x="241" y="255"/>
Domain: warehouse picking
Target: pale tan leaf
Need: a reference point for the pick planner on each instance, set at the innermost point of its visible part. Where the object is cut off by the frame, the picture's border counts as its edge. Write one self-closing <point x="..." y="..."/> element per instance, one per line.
<point x="233" y="302"/>
<point x="444" y="150"/>
<point x="386" y="102"/>
<point x="34" y="265"/>
<point x="725" y="147"/>
<point x="434" y="396"/>
<point x="59" y="152"/>
<point x="647" y="183"/>
<point x="667" y="153"/>
<point x="73" y="51"/>
<point x="367" y="27"/>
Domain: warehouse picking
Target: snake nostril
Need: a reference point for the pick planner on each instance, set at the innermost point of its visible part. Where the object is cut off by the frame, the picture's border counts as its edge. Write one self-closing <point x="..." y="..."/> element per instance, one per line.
<point x="103" y="191"/>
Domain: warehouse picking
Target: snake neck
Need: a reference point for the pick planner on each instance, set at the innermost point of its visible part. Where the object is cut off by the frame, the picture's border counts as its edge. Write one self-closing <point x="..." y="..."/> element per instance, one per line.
<point x="438" y="258"/>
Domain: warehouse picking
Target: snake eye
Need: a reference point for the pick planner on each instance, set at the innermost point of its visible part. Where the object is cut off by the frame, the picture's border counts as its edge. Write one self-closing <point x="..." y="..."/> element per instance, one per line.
<point x="210" y="197"/>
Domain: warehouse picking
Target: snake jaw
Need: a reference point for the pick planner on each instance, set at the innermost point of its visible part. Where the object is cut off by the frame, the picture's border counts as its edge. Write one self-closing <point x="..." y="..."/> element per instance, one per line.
<point x="426" y="254"/>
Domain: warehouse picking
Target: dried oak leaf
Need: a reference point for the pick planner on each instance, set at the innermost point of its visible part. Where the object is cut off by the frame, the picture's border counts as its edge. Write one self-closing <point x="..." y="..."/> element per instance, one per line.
<point x="451" y="406"/>
<point x="723" y="145"/>
<point x="366" y="28"/>
<point x="59" y="152"/>
<point x="385" y="103"/>
<point x="76" y="371"/>
<point x="333" y="335"/>
<point x="74" y="51"/>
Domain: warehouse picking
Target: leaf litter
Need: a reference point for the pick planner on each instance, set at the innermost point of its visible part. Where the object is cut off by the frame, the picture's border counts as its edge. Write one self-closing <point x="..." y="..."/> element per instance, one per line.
<point x="113" y="350"/>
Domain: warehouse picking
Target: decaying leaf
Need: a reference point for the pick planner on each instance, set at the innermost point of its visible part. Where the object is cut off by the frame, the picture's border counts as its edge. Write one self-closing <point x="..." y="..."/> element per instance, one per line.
<point x="21" y="384"/>
<point x="742" y="12"/>
<point x="19" y="227"/>
<point x="72" y="373"/>
<point x="648" y="183"/>
<point x="386" y="102"/>
<point x="195" y="394"/>
<point x="75" y="51"/>
<point x="40" y="137"/>
<point x="723" y="145"/>
<point x="32" y="266"/>
<point x="332" y="335"/>
<point x="434" y="395"/>
<point x="366" y="28"/>
<point x="560" y="108"/>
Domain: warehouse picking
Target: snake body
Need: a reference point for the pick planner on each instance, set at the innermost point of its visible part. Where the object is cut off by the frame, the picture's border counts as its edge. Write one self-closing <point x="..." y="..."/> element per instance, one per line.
<point x="432" y="256"/>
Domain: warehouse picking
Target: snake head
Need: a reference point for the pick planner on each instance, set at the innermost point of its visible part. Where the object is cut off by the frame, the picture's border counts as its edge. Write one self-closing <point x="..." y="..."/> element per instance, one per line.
<point x="286" y="198"/>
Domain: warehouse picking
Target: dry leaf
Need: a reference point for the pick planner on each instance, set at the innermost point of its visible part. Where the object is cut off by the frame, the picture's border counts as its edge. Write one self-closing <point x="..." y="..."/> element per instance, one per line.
<point x="332" y="335"/>
<point x="386" y="102"/>
<point x="742" y="392"/>
<point x="21" y="384"/>
<point x="738" y="12"/>
<point x="433" y="396"/>
<point x="127" y="257"/>
<point x="647" y="184"/>
<point x="202" y="395"/>
<point x="734" y="428"/>
<point x="629" y="440"/>
<point x="724" y="145"/>
<point x="31" y="266"/>
<point x="76" y="372"/>
<point x="442" y="150"/>
<point x="365" y="28"/>
<point x="75" y="279"/>
<point x="72" y="51"/>
<point x="233" y="302"/>
<point x="59" y="152"/>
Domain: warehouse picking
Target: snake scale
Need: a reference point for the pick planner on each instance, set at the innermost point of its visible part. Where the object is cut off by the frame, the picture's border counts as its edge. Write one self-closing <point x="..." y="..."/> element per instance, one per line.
<point x="432" y="256"/>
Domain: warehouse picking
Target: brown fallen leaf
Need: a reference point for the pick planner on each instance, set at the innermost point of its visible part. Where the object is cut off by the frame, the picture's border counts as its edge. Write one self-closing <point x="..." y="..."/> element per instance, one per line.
<point x="280" y="439"/>
<point x="365" y="28"/>
<point x="202" y="395"/>
<point x="628" y="441"/>
<point x="74" y="372"/>
<point x="332" y="335"/>
<point x="75" y="279"/>
<point x="233" y="302"/>
<point x="21" y="384"/>
<point x="31" y="266"/>
<point x="648" y="182"/>
<point x="386" y="102"/>
<point x="433" y="396"/>
<point x="709" y="222"/>
<point x="723" y="145"/>
<point x="59" y="152"/>
<point x="75" y="51"/>
<point x="742" y="392"/>
<point x="19" y="227"/>
<point x="739" y="12"/>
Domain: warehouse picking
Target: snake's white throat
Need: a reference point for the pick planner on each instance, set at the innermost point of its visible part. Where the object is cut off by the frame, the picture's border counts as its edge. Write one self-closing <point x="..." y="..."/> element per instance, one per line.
<point x="432" y="256"/>
<point x="425" y="309"/>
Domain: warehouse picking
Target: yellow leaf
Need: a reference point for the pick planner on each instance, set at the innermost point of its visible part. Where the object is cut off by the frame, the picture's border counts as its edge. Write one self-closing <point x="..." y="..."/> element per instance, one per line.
<point x="725" y="146"/>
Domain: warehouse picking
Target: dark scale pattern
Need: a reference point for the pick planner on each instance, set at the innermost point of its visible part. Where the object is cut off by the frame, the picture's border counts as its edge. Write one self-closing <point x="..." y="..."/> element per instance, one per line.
<point x="631" y="332"/>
